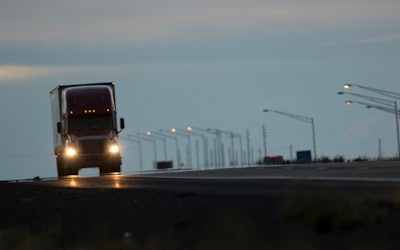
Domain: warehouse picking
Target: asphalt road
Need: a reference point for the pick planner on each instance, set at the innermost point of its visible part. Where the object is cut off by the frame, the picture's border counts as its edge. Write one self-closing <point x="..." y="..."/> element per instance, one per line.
<point x="374" y="176"/>
<point x="312" y="206"/>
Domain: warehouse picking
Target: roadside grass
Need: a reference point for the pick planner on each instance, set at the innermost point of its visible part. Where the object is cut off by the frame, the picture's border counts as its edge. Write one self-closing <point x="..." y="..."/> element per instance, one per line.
<point x="17" y="238"/>
<point x="232" y="227"/>
<point x="333" y="213"/>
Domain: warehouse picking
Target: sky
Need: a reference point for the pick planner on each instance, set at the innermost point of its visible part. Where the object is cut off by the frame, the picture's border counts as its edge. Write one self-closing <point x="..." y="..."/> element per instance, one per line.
<point x="208" y="64"/>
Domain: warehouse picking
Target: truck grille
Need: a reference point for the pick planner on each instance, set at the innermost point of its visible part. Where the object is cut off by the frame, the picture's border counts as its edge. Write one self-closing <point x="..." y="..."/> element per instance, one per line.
<point x="94" y="146"/>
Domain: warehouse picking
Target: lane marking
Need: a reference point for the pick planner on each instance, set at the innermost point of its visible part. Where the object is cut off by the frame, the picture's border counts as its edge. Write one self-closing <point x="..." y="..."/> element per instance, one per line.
<point x="311" y="178"/>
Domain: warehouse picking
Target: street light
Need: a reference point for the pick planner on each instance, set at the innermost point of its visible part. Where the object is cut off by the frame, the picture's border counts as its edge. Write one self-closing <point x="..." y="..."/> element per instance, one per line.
<point x="189" y="130"/>
<point x="139" y="136"/>
<point x="139" y="142"/>
<point x="187" y="133"/>
<point x="188" y="147"/>
<point x="178" y="157"/>
<point x="149" y="133"/>
<point x="218" y="148"/>
<point x="232" y="135"/>
<point x="370" y="98"/>
<point x="303" y="119"/>
<point x="388" y="103"/>
<point x="375" y="90"/>
<point x="346" y="86"/>
<point x="392" y="109"/>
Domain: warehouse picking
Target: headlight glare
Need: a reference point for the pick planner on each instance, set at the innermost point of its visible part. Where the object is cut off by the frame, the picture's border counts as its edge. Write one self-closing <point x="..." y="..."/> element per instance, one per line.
<point x="71" y="151"/>
<point x="114" y="148"/>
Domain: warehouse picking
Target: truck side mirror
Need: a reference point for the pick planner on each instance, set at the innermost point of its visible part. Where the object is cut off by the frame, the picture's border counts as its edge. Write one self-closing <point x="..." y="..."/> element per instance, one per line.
<point x="59" y="127"/>
<point x="122" y="123"/>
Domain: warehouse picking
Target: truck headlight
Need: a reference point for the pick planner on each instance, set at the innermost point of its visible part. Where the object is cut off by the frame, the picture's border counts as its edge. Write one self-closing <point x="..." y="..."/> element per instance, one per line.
<point x="114" y="148"/>
<point x="71" y="152"/>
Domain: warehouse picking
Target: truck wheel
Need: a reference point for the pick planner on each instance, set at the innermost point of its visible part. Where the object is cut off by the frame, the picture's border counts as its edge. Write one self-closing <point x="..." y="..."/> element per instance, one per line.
<point x="110" y="167"/>
<point x="73" y="170"/>
<point x="63" y="169"/>
<point x="60" y="167"/>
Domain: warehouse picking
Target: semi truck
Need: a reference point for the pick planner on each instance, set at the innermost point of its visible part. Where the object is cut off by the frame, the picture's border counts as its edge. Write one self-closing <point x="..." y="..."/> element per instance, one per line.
<point x="85" y="129"/>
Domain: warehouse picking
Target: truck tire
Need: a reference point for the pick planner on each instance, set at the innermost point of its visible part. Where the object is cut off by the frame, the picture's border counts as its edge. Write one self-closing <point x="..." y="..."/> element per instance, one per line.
<point x="60" y="167"/>
<point x="111" y="166"/>
<point x="73" y="170"/>
<point x="63" y="169"/>
<point x="110" y="169"/>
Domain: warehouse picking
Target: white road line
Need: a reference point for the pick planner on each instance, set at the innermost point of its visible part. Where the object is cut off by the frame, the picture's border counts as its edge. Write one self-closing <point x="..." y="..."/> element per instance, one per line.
<point x="311" y="178"/>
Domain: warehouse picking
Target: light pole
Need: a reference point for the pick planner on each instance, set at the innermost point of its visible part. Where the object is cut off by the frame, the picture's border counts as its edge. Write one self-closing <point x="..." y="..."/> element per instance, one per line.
<point x="139" y="142"/>
<point x="303" y="119"/>
<point x="149" y="140"/>
<point x="392" y="109"/>
<point x="149" y="133"/>
<point x="370" y="98"/>
<point x="231" y="152"/>
<point x="188" y="147"/>
<point x="217" y="145"/>
<point x="375" y="90"/>
<point x="188" y="133"/>
<point x="189" y="130"/>
<point x="239" y="136"/>
<point x="388" y="103"/>
<point x="234" y="160"/>
<point x="178" y="154"/>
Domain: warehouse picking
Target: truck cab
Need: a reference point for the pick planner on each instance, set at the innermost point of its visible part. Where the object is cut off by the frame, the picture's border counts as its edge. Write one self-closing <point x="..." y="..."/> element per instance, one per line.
<point x="85" y="128"/>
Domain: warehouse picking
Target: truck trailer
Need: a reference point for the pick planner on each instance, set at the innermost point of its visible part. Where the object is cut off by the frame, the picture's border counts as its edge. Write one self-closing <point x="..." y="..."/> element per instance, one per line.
<point x="85" y="129"/>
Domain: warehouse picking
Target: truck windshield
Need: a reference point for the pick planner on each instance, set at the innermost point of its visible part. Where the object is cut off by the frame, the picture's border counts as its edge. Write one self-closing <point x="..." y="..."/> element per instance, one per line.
<point x="90" y="122"/>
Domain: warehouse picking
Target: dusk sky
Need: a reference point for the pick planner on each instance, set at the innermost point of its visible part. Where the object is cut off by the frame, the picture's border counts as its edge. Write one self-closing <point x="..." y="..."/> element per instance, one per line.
<point x="209" y="64"/>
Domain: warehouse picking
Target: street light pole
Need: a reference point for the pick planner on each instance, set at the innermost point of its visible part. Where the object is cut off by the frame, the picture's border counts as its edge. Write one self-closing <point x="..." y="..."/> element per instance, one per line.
<point x="381" y="101"/>
<point x="370" y="98"/>
<point x="149" y="133"/>
<point x="139" y="142"/>
<point x="218" y="162"/>
<point x="178" y="154"/>
<point x="189" y="130"/>
<point x="188" y="147"/>
<point x="379" y="91"/>
<point x="303" y="119"/>
<point x="149" y="140"/>
<point x="386" y="109"/>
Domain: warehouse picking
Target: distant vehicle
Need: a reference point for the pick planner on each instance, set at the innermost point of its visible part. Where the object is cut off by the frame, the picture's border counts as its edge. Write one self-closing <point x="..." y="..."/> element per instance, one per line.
<point x="85" y="130"/>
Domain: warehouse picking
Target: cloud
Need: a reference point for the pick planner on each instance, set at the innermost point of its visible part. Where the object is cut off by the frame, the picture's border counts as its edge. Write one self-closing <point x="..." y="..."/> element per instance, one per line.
<point x="148" y="21"/>
<point x="17" y="73"/>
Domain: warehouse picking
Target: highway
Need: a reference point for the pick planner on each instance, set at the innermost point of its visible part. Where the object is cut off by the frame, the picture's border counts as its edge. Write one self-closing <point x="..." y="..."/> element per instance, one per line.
<point x="374" y="176"/>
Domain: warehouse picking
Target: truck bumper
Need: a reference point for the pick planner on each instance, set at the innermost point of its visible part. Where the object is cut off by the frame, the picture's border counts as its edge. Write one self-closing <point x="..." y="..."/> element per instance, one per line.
<point x="91" y="161"/>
